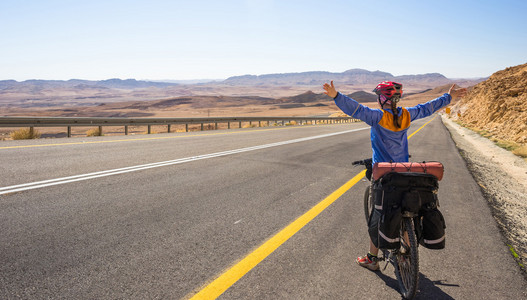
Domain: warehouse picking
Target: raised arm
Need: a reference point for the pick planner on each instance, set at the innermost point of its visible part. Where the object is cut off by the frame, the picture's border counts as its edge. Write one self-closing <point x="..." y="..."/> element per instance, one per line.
<point x="351" y="107"/>
<point x="426" y="109"/>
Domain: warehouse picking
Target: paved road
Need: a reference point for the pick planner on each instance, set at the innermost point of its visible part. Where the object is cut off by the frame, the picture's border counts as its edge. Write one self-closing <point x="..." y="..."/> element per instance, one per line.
<point x="166" y="231"/>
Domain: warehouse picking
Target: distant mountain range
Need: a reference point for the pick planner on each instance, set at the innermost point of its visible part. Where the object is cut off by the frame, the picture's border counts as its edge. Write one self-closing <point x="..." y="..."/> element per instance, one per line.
<point x="290" y="89"/>
<point x="353" y="76"/>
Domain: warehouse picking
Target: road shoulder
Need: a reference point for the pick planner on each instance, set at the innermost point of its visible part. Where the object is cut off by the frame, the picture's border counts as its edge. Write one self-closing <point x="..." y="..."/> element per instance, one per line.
<point x="502" y="177"/>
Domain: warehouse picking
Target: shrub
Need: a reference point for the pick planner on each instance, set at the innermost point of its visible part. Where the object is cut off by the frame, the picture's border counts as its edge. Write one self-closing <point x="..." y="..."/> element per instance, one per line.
<point x="94" y="132"/>
<point x="507" y="145"/>
<point x="521" y="151"/>
<point x="25" y="134"/>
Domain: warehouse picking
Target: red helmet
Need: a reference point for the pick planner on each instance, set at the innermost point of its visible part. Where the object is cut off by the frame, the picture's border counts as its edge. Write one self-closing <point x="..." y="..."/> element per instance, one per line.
<point x="389" y="89"/>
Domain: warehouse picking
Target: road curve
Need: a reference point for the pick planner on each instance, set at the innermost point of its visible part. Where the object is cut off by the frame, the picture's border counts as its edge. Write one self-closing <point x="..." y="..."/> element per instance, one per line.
<point x="167" y="231"/>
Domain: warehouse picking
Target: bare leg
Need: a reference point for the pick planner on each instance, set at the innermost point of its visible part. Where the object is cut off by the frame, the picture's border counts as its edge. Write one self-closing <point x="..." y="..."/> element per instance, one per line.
<point x="373" y="250"/>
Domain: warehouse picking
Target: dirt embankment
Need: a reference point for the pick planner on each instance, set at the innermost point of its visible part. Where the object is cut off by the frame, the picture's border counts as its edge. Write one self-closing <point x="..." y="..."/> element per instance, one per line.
<point x="498" y="105"/>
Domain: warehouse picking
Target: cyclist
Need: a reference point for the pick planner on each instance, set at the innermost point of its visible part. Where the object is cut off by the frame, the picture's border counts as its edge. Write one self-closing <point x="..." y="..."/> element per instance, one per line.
<point x="389" y="126"/>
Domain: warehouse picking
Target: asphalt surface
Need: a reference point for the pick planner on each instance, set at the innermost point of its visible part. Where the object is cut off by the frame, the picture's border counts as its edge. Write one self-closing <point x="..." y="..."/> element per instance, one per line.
<point x="167" y="231"/>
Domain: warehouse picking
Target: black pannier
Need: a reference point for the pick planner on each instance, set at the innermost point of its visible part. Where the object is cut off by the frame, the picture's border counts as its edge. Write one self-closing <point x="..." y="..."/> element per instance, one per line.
<point x="386" y="218"/>
<point x="397" y="193"/>
<point x="433" y="224"/>
<point x="389" y="227"/>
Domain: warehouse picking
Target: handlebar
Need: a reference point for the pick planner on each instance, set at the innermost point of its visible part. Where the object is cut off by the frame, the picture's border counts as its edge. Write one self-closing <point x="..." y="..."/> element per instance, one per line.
<point x="363" y="162"/>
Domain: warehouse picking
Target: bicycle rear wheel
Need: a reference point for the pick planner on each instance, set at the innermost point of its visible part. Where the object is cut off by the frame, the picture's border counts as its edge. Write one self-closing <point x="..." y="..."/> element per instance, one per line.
<point x="406" y="260"/>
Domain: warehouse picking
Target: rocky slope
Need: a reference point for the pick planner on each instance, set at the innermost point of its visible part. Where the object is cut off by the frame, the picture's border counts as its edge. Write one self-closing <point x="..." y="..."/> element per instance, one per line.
<point x="498" y="105"/>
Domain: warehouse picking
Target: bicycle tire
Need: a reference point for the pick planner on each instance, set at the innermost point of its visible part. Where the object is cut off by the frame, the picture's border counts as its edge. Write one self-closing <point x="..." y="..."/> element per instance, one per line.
<point x="406" y="261"/>
<point x="368" y="204"/>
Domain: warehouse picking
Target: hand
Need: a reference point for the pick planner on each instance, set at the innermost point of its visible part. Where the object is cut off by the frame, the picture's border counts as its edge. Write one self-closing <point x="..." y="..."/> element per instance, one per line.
<point x="330" y="90"/>
<point x="457" y="93"/>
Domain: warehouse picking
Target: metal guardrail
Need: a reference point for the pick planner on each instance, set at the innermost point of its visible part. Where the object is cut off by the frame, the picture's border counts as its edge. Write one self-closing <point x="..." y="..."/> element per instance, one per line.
<point x="69" y="122"/>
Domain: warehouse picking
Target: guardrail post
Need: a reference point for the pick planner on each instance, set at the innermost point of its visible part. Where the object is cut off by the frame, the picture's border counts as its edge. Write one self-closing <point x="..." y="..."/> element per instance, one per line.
<point x="100" y="130"/>
<point x="186" y="127"/>
<point x="228" y="125"/>
<point x="216" y="125"/>
<point x="240" y="124"/>
<point x="201" y="126"/>
<point x="125" y="129"/>
<point x="168" y="128"/>
<point x="259" y="123"/>
<point x="69" y="131"/>
<point x="149" y="129"/>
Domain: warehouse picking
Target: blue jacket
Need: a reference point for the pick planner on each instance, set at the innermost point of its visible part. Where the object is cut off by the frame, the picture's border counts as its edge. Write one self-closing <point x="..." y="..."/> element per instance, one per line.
<point x="388" y="142"/>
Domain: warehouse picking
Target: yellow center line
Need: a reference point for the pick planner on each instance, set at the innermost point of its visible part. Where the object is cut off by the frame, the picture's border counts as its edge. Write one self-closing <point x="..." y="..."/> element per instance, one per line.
<point x="227" y="279"/>
<point x="233" y="274"/>
<point x="144" y="139"/>
<point x="421" y="127"/>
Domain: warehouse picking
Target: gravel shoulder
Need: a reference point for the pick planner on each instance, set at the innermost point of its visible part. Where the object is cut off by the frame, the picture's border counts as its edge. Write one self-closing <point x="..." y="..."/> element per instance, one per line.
<point x="502" y="177"/>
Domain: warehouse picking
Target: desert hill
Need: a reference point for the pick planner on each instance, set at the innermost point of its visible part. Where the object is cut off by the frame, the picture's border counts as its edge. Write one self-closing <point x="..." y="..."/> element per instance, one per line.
<point x="498" y="105"/>
<point x="76" y="92"/>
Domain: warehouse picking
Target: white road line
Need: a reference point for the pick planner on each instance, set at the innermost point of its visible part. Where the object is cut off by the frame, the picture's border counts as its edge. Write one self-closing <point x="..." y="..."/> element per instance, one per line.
<point x="69" y="179"/>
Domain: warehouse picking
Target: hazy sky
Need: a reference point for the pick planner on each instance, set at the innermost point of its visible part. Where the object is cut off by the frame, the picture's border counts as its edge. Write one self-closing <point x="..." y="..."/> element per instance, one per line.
<point x="154" y="39"/>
